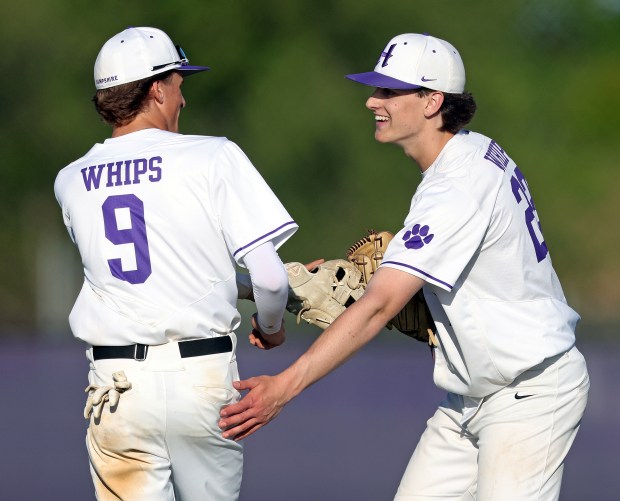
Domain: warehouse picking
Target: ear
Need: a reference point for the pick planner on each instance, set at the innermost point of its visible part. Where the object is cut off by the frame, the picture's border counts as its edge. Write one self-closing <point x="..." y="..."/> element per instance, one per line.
<point x="433" y="103"/>
<point x="156" y="92"/>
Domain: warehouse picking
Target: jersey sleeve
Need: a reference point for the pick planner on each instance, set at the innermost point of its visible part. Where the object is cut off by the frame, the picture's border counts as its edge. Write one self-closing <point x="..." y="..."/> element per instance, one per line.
<point x="248" y="211"/>
<point x="66" y="217"/>
<point x="442" y="232"/>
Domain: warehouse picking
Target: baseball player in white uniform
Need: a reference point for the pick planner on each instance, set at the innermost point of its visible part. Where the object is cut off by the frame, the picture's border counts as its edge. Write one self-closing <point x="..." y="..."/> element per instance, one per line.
<point x="516" y="384"/>
<point x="161" y="221"/>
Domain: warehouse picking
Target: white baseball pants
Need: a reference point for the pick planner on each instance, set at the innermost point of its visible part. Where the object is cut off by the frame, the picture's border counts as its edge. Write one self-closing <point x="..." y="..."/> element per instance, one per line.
<point x="162" y="442"/>
<point x="512" y="449"/>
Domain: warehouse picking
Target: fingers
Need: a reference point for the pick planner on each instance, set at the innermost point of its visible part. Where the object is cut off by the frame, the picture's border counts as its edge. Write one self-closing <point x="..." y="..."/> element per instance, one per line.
<point x="312" y="265"/>
<point x="240" y="432"/>
<point x="238" y="408"/>
<point x="236" y="419"/>
<point x="232" y="410"/>
<point x="259" y="406"/>
<point x="268" y="341"/>
<point x="265" y="341"/>
<point x="236" y="425"/>
<point x="241" y="421"/>
<point x="257" y="340"/>
<point x="246" y="384"/>
<point x="248" y="432"/>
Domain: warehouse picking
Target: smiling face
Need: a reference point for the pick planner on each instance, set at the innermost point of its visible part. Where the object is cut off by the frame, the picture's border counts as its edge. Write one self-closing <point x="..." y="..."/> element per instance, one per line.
<point x="399" y="114"/>
<point x="410" y="119"/>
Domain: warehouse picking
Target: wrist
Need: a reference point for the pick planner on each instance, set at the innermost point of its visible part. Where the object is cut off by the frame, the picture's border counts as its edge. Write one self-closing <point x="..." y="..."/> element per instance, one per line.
<point x="293" y="381"/>
<point x="270" y="330"/>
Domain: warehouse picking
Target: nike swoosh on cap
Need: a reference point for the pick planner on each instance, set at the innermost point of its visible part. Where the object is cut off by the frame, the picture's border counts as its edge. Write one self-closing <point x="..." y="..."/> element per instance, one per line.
<point x="424" y="79"/>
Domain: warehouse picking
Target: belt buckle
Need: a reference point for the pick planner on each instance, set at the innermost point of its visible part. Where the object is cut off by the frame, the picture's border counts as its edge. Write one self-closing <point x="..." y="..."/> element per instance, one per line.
<point x="143" y="348"/>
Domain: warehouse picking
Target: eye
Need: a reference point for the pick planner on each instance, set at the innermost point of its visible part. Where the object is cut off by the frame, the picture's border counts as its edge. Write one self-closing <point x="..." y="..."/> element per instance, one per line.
<point x="388" y="92"/>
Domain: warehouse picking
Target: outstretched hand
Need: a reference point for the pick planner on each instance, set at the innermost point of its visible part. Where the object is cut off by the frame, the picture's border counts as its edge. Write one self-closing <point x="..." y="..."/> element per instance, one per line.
<point x="267" y="395"/>
<point x="263" y="402"/>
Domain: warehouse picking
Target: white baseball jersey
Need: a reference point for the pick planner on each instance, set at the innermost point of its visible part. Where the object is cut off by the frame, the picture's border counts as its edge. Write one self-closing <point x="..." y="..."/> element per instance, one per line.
<point x="161" y="221"/>
<point x="473" y="234"/>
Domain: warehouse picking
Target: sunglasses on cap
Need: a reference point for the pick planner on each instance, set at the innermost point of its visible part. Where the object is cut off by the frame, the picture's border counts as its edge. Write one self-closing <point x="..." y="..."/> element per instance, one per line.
<point x="183" y="61"/>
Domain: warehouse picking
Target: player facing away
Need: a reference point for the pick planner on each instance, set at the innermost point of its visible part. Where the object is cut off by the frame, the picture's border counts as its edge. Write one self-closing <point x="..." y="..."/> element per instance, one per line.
<point x="516" y="384"/>
<point x="161" y="221"/>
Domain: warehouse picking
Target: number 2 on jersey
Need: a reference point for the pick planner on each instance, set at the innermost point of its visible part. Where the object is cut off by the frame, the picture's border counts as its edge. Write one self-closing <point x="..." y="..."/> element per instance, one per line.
<point x="135" y="234"/>
<point x="521" y="191"/>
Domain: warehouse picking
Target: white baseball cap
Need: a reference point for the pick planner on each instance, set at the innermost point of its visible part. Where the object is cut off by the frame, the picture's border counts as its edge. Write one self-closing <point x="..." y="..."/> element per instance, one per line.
<point x="138" y="53"/>
<point x="411" y="61"/>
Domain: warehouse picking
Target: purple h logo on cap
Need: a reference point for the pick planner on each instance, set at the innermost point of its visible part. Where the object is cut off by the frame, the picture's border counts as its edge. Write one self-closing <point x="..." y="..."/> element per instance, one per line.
<point x="387" y="55"/>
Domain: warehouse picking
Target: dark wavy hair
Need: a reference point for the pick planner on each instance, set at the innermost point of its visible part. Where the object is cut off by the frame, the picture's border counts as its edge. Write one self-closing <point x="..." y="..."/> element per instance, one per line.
<point x="119" y="105"/>
<point x="456" y="111"/>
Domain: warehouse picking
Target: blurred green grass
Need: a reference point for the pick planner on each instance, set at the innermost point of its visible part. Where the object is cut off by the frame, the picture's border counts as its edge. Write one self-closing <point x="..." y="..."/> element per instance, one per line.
<point x="545" y="74"/>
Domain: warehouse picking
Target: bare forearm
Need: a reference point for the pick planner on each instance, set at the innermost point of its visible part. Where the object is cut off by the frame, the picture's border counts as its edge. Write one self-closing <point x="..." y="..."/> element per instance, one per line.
<point x="267" y="395"/>
<point x="359" y="324"/>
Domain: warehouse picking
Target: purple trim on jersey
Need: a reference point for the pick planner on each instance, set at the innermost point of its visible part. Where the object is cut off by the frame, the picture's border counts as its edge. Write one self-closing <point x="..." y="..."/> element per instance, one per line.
<point x="419" y="271"/>
<point x="375" y="79"/>
<point x="262" y="237"/>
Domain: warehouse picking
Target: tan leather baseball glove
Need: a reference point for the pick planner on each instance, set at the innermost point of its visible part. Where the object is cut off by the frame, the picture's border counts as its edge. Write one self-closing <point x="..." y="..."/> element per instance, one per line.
<point x="415" y="318"/>
<point x="319" y="296"/>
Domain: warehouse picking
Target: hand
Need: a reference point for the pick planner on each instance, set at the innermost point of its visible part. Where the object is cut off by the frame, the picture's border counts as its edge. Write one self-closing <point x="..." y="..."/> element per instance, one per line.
<point x="265" y="341"/>
<point x="258" y="407"/>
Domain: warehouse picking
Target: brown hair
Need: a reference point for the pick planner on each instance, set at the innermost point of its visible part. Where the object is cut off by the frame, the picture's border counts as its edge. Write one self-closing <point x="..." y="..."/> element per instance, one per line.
<point x="457" y="110"/>
<point x="119" y="105"/>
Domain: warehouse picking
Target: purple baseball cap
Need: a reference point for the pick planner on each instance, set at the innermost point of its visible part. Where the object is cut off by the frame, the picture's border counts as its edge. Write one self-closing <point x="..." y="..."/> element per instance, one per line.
<point x="137" y="53"/>
<point x="412" y="60"/>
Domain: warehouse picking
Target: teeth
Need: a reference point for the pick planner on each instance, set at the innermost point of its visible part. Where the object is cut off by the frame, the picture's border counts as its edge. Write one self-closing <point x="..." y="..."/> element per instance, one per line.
<point x="380" y="118"/>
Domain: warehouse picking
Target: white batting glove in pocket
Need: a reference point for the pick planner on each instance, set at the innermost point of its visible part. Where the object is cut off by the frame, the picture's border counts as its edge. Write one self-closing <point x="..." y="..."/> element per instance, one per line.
<point x="99" y="395"/>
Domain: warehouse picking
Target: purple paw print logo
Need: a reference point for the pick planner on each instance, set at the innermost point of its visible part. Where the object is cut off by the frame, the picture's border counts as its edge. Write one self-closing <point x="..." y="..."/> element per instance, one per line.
<point x="417" y="237"/>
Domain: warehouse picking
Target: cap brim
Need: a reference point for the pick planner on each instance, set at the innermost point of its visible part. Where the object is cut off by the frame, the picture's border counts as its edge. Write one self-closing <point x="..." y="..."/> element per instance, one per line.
<point x="374" y="79"/>
<point x="190" y="70"/>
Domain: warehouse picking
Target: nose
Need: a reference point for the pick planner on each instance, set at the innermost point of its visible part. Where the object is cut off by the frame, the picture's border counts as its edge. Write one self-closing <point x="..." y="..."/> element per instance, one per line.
<point x="372" y="103"/>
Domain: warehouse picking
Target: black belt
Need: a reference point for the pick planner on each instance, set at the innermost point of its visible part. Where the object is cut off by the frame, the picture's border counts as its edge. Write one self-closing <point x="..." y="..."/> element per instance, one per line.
<point x="194" y="348"/>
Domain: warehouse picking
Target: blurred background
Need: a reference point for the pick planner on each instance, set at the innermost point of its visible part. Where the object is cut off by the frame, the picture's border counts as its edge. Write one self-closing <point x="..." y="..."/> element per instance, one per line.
<point x="546" y="77"/>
